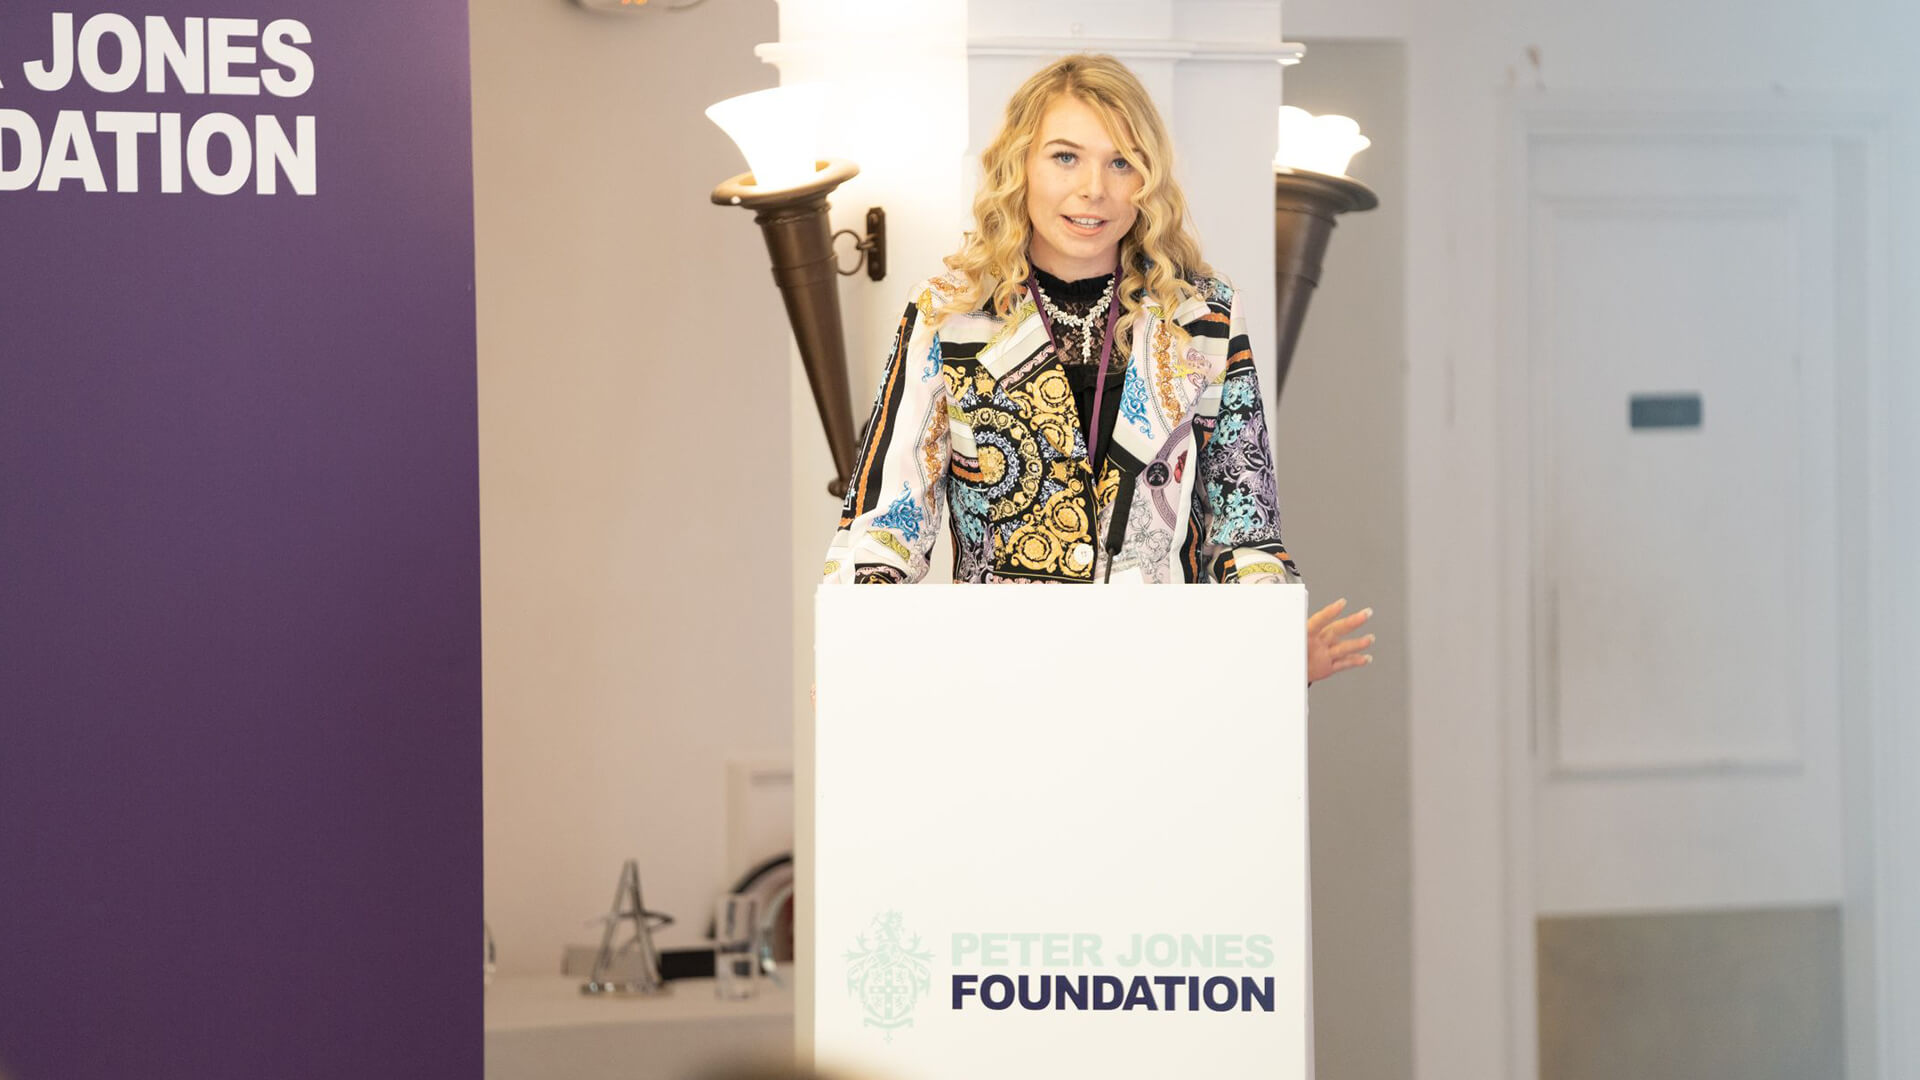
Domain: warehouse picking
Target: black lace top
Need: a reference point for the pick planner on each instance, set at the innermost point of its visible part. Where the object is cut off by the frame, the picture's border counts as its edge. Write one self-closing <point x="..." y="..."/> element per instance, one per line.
<point x="1078" y="298"/>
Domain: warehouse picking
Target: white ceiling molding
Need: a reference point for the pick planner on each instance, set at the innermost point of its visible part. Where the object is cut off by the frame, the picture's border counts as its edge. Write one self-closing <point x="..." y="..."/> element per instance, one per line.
<point x="1284" y="52"/>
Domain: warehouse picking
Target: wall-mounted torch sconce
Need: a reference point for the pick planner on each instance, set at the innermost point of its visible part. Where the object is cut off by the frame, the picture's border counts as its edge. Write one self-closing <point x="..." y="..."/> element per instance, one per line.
<point x="787" y="187"/>
<point x="1310" y="189"/>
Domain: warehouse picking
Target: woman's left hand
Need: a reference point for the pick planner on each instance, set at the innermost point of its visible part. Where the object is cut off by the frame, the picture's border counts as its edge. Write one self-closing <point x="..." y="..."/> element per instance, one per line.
<point x="1330" y="646"/>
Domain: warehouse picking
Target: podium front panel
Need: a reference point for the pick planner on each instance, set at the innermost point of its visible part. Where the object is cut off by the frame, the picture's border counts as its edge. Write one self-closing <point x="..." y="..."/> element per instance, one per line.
<point x="1059" y="829"/>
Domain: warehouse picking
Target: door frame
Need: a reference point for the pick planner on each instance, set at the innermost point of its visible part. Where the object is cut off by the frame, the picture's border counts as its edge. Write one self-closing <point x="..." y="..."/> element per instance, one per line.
<point x="1856" y="130"/>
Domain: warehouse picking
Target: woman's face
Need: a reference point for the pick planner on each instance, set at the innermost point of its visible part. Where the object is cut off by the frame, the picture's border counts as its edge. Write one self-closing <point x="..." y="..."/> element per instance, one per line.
<point x="1079" y="193"/>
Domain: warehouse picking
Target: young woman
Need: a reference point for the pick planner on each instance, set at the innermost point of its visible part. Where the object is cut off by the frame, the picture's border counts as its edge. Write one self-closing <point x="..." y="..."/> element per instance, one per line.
<point x="1077" y="390"/>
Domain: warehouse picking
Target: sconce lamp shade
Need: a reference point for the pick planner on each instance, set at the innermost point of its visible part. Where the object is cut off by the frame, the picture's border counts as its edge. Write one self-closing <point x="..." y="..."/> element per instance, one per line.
<point x="776" y="130"/>
<point x="1322" y="144"/>
<point x="786" y="186"/>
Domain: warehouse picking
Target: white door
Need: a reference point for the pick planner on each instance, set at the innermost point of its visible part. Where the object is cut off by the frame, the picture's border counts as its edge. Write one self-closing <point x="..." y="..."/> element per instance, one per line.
<point x="1682" y="325"/>
<point x="1682" y="339"/>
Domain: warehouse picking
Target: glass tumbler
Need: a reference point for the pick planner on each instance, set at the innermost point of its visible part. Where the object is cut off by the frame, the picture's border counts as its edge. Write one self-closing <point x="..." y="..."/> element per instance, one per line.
<point x="734" y="963"/>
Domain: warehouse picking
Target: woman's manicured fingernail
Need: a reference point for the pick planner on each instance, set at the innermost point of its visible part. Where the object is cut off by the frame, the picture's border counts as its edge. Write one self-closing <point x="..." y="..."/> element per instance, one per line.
<point x="1368" y="611"/>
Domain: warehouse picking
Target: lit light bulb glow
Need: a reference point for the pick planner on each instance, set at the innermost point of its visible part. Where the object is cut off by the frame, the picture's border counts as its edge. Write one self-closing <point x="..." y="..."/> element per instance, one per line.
<point x="1322" y="144"/>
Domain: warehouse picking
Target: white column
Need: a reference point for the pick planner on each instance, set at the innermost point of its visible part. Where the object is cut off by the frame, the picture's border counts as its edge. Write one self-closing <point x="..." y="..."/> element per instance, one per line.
<point x="897" y="89"/>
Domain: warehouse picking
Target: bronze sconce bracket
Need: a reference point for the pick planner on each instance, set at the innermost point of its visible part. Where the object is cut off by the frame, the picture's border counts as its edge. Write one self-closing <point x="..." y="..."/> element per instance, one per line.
<point x="872" y="247"/>
<point x="793" y="221"/>
<point x="1304" y="206"/>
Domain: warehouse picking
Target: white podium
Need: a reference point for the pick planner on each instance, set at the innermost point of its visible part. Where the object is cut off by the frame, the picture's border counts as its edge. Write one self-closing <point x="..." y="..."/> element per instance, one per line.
<point x="1056" y="831"/>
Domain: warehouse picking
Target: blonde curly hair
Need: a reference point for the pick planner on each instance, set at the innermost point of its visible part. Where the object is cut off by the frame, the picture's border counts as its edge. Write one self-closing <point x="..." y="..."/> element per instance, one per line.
<point x="1158" y="254"/>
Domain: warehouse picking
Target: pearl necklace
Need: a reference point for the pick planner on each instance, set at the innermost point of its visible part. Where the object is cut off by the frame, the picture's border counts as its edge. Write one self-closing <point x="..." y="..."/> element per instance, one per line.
<point x="1083" y="323"/>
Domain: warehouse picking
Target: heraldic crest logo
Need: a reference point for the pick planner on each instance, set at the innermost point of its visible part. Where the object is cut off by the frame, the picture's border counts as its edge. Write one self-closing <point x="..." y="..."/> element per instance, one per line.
<point x="887" y="972"/>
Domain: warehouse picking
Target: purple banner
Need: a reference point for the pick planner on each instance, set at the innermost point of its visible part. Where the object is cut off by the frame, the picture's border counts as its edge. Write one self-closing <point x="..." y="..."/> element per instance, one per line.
<point x="239" y="553"/>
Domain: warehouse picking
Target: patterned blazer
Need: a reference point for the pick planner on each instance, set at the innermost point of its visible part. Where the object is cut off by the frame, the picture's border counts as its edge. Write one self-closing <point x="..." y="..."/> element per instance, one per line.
<point x="977" y="416"/>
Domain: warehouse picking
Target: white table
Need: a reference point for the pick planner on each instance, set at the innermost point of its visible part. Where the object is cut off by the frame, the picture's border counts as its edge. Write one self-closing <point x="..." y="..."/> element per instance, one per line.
<point x="541" y="1027"/>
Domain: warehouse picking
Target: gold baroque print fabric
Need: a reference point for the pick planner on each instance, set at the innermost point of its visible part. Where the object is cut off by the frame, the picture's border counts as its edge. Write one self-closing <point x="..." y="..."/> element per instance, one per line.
<point x="974" y="426"/>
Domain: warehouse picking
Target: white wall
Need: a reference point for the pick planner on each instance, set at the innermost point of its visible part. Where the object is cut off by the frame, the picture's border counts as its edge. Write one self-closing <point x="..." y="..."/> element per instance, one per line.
<point x="1339" y="444"/>
<point x="1467" y="61"/>
<point x="632" y="395"/>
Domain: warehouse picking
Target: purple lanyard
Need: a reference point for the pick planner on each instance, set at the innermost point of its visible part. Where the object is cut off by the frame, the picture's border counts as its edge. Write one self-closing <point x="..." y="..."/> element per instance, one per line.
<point x="1106" y="351"/>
